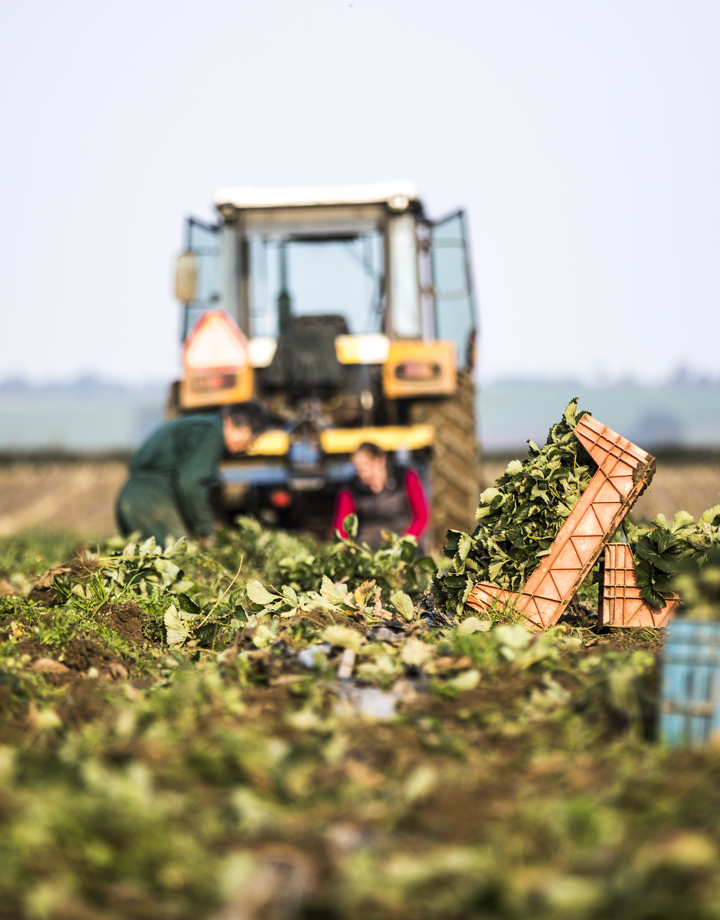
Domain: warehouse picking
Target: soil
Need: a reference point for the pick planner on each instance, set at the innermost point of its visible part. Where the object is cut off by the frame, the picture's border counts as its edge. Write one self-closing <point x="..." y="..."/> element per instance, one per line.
<point x="46" y="596"/>
<point x="498" y="700"/>
<point x="579" y="613"/>
<point x="83" y="654"/>
<point x="67" y="494"/>
<point x="33" y="648"/>
<point x="81" y="703"/>
<point x="269" y="702"/>
<point x="126" y="619"/>
<point x="617" y="640"/>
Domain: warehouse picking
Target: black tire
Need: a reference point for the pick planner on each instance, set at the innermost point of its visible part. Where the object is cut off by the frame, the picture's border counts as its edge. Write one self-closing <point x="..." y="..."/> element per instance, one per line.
<point x="455" y="467"/>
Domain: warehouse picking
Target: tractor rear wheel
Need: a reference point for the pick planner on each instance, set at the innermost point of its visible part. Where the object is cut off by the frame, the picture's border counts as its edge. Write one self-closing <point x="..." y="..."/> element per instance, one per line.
<point x="455" y="467"/>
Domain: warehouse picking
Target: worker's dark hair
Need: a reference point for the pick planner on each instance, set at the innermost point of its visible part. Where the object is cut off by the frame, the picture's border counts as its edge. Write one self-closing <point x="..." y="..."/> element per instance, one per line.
<point x="252" y="414"/>
<point x="373" y="450"/>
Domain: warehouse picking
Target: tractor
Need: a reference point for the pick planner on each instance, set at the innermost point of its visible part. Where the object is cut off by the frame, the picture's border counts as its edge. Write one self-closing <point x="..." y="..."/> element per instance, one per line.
<point x="351" y="316"/>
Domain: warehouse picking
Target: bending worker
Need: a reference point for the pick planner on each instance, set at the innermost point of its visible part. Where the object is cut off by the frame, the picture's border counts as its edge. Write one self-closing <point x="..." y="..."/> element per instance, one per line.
<point x="383" y="496"/>
<point x="168" y="492"/>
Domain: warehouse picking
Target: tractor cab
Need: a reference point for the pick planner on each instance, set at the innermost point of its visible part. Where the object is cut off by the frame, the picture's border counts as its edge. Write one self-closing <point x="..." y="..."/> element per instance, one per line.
<point x="340" y="308"/>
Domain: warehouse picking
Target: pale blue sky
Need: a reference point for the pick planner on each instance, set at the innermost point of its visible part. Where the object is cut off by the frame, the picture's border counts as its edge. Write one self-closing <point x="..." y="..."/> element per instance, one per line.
<point x="582" y="136"/>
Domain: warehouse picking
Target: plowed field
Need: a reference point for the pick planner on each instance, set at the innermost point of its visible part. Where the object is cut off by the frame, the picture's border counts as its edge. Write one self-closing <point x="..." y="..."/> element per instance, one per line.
<point x="79" y="494"/>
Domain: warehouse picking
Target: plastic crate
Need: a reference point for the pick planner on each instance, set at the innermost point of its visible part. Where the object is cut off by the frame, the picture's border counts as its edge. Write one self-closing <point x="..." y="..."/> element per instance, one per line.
<point x="620" y="602"/>
<point x="624" y="471"/>
<point x="690" y="684"/>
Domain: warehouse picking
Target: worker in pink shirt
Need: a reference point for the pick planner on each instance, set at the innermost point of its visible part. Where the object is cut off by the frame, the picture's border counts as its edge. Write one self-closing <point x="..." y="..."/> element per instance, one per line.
<point x="383" y="496"/>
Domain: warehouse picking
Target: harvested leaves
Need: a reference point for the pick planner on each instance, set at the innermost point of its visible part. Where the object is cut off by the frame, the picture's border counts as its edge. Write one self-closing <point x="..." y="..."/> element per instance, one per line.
<point x="519" y="516"/>
<point x="665" y="549"/>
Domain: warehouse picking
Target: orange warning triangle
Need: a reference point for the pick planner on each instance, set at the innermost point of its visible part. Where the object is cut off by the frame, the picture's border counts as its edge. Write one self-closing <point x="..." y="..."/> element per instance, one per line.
<point x="216" y="342"/>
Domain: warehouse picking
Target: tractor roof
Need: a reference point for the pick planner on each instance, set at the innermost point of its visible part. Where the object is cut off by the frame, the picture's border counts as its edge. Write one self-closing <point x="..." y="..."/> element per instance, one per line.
<point x="396" y="194"/>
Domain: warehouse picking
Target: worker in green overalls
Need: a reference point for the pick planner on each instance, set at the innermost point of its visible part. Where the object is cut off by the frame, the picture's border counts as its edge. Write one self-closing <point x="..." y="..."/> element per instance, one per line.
<point x="168" y="492"/>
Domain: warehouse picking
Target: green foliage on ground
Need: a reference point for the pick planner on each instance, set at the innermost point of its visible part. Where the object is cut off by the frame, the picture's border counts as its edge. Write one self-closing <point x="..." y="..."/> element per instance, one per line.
<point x="30" y="554"/>
<point x="665" y="549"/>
<point x="185" y="736"/>
<point x="302" y="563"/>
<point x="260" y="549"/>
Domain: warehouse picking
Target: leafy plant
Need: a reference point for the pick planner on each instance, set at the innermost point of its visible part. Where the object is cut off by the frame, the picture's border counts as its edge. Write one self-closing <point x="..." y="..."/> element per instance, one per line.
<point x="339" y="578"/>
<point x="260" y="548"/>
<point x="519" y="517"/>
<point x="394" y="566"/>
<point x="663" y="551"/>
<point x="140" y="567"/>
<point x="332" y="598"/>
<point x="699" y="588"/>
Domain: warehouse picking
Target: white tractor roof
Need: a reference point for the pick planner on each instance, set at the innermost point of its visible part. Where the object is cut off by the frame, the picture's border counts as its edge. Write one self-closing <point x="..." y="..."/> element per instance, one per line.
<point x="396" y="194"/>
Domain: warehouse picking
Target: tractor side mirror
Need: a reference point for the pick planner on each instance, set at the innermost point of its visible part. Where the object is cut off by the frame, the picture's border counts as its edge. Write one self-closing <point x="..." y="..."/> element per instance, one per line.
<point x="186" y="274"/>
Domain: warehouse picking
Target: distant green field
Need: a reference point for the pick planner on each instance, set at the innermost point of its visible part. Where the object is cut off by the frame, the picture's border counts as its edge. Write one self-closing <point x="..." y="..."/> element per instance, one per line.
<point x="509" y="413"/>
<point x="76" y="422"/>
<point x="671" y="415"/>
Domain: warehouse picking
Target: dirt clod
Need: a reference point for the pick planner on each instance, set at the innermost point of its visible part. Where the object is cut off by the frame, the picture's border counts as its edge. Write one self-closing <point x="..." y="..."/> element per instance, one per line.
<point x="83" y="654"/>
<point x="49" y="666"/>
<point x="31" y="647"/>
<point x="126" y="619"/>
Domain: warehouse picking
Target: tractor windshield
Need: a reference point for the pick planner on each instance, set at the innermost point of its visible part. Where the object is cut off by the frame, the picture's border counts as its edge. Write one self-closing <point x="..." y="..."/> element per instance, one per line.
<point x="309" y="276"/>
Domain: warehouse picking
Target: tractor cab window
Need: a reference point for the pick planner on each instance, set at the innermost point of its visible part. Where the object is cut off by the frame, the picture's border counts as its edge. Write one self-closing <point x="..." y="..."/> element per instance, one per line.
<point x="295" y="276"/>
<point x="454" y="303"/>
<point x="204" y="242"/>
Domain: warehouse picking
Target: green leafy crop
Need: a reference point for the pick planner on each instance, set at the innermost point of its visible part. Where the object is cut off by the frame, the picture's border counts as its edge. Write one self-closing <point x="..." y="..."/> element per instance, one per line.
<point x="328" y="750"/>
<point x="665" y="550"/>
<point x="395" y="566"/>
<point x="700" y="588"/>
<point x="519" y="517"/>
